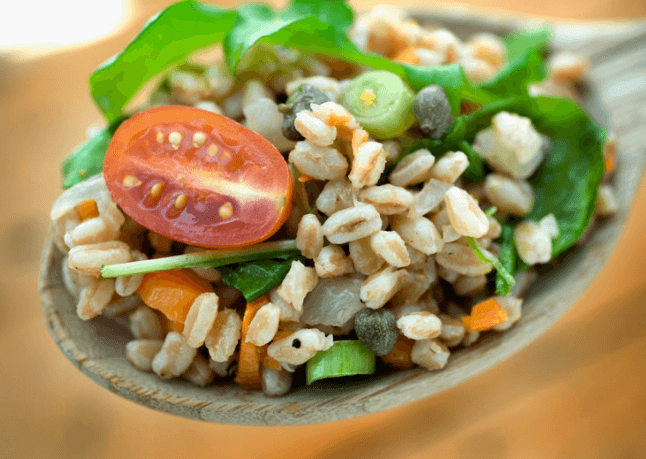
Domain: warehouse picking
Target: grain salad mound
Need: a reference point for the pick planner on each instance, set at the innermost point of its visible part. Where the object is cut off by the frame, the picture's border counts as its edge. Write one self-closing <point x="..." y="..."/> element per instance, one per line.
<point x="376" y="197"/>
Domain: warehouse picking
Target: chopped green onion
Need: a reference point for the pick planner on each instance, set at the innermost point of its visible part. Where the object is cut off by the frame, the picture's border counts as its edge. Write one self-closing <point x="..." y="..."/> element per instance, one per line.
<point x="507" y="280"/>
<point x="382" y="102"/>
<point x="206" y="259"/>
<point x="344" y="358"/>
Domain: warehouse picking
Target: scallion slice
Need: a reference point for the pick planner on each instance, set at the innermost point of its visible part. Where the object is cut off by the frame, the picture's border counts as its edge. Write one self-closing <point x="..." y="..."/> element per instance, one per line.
<point x="382" y="102"/>
<point x="206" y="259"/>
<point x="344" y="358"/>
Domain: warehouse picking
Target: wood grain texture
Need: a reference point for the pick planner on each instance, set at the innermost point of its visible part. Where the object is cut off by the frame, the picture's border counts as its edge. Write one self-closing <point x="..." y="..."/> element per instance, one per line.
<point x="618" y="90"/>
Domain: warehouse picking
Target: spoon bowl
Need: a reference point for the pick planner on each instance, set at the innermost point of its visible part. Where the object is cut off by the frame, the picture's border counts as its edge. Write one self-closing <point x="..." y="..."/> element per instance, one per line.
<point x="97" y="347"/>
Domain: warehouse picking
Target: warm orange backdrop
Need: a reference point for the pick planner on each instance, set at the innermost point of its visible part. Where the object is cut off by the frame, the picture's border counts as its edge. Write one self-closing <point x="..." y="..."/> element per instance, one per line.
<point x="578" y="392"/>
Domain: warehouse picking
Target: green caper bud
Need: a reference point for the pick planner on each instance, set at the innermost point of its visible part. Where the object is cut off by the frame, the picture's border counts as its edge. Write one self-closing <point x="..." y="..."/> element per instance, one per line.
<point x="301" y="99"/>
<point x="433" y="111"/>
<point x="377" y="329"/>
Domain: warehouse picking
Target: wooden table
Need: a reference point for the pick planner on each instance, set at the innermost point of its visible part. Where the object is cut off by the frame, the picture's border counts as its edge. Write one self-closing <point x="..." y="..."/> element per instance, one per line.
<point x="577" y="392"/>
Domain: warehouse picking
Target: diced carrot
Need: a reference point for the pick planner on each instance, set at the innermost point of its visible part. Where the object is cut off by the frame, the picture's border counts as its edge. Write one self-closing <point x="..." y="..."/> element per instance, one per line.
<point x="172" y="292"/>
<point x="270" y="362"/>
<point x="280" y="334"/>
<point x="485" y="315"/>
<point x="609" y="163"/>
<point x="407" y="56"/>
<point x="610" y="153"/>
<point x="87" y="209"/>
<point x="248" y="373"/>
<point x="174" y="326"/>
<point x="399" y="356"/>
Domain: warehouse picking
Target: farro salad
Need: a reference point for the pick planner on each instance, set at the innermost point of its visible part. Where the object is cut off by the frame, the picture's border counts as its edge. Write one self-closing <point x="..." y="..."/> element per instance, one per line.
<point x="321" y="194"/>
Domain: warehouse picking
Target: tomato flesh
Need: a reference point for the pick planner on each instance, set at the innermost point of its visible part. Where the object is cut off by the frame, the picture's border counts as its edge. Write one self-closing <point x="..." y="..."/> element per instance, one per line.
<point x="198" y="177"/>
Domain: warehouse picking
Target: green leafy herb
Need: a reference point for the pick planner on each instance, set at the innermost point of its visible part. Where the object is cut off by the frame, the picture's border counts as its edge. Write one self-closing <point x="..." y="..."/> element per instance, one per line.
<point x="87" y="159"/>
<point x="257" y="277"/>
<point x="525" y="63"/>
<point x="566" y="183"/>
<point x="206" y="259"/>
<point x="506" y="279"/>
<point x="165" y="40"/>
<point x="344" y="358"/>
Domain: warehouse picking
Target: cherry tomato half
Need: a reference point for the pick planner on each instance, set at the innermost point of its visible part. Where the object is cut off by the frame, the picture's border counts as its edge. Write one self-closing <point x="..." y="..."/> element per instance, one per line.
<point x="198" y="177"/>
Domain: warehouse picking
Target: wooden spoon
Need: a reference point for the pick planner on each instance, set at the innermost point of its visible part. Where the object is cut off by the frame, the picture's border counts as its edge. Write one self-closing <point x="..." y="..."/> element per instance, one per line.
<point x="617" y="84"/>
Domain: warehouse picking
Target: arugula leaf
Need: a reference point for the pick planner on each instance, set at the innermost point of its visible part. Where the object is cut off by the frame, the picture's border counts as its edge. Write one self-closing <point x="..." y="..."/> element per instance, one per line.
<point x="87" y="159"/>
<point x="504" y="276"/>
<point x="453" y="141"/>
<point x="258" y="22"/>
<point x="320" y="34"/>
<point x="336" y="13"/>
<point x="166" y="39"/>
<point x="256" y="278"/>
<point x="525" y="63"/>
<point x="451" y="78"/>
<point x="566" y="183"/>
<point x="475" y="172"/>
<point x="507" y="256"/>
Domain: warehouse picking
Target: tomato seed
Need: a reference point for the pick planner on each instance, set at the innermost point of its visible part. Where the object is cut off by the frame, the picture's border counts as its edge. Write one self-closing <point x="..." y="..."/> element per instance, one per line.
<point x="212" y="150"/>
<point x="160" y="137"/>
<point x="175" y="138"/>
<point x="180" y="201"/>
<point x="131" y="180"/>
<point x="199" y="139"/>
<point x="226" y="211"/>
<point x="156" y="190"/>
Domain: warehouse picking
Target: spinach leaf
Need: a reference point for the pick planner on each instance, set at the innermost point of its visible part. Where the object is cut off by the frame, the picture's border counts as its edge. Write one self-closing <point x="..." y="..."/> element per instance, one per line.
<point x="566" y="183"/>
<point x="165" y="40"/>
<point x="256" y="278"/>
<point x="525" y="63"/>
<point x="87" y="159"/>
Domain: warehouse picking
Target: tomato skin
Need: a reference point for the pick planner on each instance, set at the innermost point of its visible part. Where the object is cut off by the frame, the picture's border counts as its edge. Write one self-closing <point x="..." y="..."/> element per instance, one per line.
<point x="225" y="187"/>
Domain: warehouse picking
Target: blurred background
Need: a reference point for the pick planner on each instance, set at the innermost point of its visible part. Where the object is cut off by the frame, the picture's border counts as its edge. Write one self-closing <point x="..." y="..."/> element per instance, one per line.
<point x="578" y="392"/>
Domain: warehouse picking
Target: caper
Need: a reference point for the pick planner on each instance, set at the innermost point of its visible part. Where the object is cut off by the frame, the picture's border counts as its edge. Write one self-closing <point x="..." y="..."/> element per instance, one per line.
<point x="433" y="111"/>
<point x="301" y="99"/>
<point x="377" y="329"/>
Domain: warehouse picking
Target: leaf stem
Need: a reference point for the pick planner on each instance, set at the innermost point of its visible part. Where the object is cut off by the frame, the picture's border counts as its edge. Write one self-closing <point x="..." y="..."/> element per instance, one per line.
<point x="205" y="259"/>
